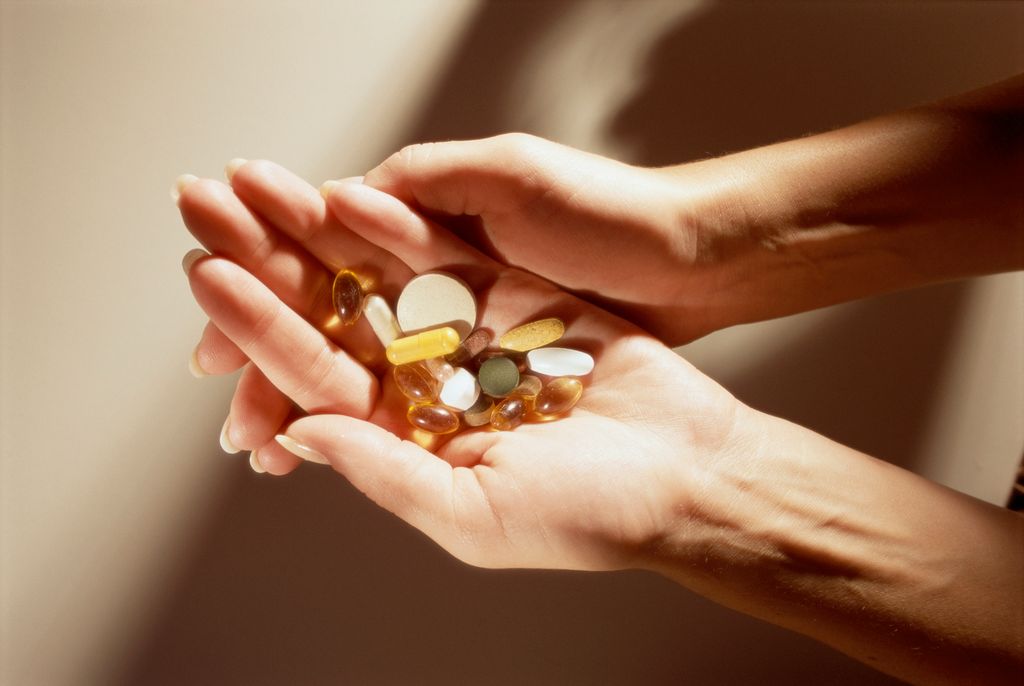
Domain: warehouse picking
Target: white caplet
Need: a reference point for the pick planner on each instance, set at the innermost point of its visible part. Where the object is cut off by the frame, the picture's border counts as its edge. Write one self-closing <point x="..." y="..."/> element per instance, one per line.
<point x="461" y="391"/>
<point x="560" y="362"/>
<point x="382" y="319"/>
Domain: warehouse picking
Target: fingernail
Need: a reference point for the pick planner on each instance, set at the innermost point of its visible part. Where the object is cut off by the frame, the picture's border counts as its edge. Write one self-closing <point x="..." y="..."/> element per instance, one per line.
<point x="299" y="450"/>
<point x="254" y="462"/>
<point x="233" y="166"/>
<point x="180" y="184"/>
<point x="225" y="441"/>
<point x="190" y="258"/>
<point x="327" y="186"/>
<point x="194" y="367"/>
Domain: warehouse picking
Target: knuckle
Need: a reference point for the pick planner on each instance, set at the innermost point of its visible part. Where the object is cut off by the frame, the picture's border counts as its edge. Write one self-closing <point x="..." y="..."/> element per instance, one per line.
<point x="520" y="145"/>
<point x="412" y="156"/>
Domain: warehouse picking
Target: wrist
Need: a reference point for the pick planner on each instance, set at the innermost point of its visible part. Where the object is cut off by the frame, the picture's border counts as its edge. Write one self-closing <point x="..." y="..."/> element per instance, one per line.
<point x="917" y="197"/>
<point x="790" y="527"/>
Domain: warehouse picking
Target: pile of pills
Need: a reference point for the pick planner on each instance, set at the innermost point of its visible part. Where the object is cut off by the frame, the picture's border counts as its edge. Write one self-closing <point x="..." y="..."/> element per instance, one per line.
<point x="445" y="366"/>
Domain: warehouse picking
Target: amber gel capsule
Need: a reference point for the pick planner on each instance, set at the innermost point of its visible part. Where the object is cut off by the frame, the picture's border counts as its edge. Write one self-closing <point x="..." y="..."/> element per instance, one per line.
<point x="560" y="395"/>
<point x="415" y="382"/>
<point x="435" y="343"/>
<point x="433" y="418"/>
<point x="347" y="296"/>
<point x="509" y="413"/>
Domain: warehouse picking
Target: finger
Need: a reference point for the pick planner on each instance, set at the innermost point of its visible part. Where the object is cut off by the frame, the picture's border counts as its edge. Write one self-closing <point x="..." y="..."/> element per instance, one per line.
<point x="258" y="410"/>
<point x="273" y="459"/>
<point x="222" y="223"/>
<point x="216" y="353"/>
<point x="493" y="175"/>
<point x="391" y="224"/>
<point x="296" y="208"/>
<point x="398" y="475"/>
<point x="296" y="357"/>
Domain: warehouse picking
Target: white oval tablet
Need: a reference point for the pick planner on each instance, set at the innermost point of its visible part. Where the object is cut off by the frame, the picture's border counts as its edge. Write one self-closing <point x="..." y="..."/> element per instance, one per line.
<point x="434" y="300"/>
<point x="560" y="362"/>
<point x="461" y="391"/>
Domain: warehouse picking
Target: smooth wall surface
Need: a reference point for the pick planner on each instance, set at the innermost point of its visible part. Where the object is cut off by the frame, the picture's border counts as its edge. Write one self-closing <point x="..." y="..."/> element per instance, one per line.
<point x="134" y="552"/>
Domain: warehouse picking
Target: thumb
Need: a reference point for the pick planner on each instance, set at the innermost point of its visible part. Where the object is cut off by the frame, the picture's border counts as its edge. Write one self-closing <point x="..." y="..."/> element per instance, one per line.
<point x="487" y="176"/>
<point x="398" y="475"/>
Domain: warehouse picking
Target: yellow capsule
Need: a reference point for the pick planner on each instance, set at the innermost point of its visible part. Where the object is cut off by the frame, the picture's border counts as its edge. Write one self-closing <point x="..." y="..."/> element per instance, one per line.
<point x="347" y="296"/>
<point x="559" y="396"/>
<point x="508" y="414"/>
<point x="415" y="382"/>
<point x="433" y="418"/>
<point x="533" y="335"/>
<point x="434" y="343"/>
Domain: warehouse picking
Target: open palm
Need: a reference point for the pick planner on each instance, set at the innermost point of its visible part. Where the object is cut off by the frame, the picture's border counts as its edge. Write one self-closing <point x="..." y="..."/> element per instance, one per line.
<point x="591" y="490"/>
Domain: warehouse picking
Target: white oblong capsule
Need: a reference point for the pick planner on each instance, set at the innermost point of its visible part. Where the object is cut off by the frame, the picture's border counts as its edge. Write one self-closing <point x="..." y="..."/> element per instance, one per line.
<point x="461" y="391"/>
<point x="382" y="319"/>
<point x="560" y="362"/>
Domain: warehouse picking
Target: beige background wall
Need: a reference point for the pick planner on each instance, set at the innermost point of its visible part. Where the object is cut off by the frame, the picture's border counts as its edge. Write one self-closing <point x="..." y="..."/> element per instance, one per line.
<point x="134" y="552"/>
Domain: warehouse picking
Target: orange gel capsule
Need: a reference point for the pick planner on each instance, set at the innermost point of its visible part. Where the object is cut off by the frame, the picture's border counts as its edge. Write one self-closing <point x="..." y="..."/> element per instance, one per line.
<point x="560" y="395"/>
<point x="415" y="382"/>
<point x="433" y="418"/>
<point x="421" y="346"/>
<point x="347" y="296"/>
<point x="509" y="413"/>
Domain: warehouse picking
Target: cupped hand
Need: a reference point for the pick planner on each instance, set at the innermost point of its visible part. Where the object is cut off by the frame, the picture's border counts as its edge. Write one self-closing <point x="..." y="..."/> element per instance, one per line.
<point x="642" y="243"/>
<point x="275" y="226"/>
<point x="591" y="490"/>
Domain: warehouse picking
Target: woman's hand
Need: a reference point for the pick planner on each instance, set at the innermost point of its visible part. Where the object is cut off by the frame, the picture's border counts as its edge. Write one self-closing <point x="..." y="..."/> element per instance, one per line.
<point x="275" y="226"/>
<point x="591" y="490"/>
<point x="634" y="241"/>
<point x="916" y="197"/>
<point x="657" y="467"/>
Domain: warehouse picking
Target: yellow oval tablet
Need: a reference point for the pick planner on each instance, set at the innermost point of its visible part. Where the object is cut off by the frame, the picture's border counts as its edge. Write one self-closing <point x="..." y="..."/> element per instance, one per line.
<point x="533" y="335"/>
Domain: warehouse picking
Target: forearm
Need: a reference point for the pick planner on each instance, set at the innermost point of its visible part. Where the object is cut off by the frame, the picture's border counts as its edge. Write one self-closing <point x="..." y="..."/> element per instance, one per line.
<point x="913" y="578"/>
<point x="921" y="196"/>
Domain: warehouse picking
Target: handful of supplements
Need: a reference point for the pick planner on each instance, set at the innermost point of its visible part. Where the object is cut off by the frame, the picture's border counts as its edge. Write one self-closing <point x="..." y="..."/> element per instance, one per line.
<point x="447" y="367"/>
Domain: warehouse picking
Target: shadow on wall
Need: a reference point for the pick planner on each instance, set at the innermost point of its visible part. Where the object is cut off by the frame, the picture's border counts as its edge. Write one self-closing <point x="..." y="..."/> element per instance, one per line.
<point x="302" y="581"/>
<point x="743" y="74"/>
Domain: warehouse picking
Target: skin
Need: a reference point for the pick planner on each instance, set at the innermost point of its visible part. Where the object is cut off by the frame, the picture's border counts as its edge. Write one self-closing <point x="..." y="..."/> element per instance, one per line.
<point x="760" y="515"/>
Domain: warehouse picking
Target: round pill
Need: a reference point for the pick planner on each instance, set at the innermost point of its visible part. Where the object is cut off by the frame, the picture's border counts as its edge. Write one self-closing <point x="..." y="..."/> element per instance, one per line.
<point x="434" y="300"/>
<point x="498" y="376"/>
<point x="560" y="362"/>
